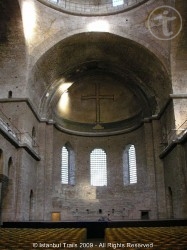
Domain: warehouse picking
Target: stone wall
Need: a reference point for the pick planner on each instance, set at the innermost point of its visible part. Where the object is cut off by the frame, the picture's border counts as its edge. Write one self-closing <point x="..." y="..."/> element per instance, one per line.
<point x="83" y="201"/>
<point x="12" y="51"/>
<point x="175" y="182"/>
<point x="19" y="159"/>
<point x="34" y="190"/>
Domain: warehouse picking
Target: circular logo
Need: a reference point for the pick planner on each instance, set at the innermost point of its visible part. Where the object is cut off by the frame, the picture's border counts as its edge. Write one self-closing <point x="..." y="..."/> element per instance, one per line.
<point x="165" y="22"/>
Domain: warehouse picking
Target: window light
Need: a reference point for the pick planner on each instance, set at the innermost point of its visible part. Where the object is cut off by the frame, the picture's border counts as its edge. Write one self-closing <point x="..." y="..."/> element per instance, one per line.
<point x="117" y="2"/>
<point x="98" y="167"/>
<point x="65" y="166"/>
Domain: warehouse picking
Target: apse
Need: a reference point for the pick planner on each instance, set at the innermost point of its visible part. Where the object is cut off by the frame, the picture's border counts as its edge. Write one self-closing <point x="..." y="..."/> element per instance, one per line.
<point x="106" y="84"/>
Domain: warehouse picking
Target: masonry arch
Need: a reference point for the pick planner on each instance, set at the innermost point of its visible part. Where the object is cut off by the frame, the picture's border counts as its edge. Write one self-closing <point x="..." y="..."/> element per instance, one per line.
<point x="170" y="203"/>
<point x="67" y="164"/>
<point x="9" y="195"/>
<point x="113" y="60"/>
<point x="31" y="205"/>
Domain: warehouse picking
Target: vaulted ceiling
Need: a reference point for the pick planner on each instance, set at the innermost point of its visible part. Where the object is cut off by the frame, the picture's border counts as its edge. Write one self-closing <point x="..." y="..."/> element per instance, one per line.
<point x="100" y="83"/>
<point x="92" y="7"/>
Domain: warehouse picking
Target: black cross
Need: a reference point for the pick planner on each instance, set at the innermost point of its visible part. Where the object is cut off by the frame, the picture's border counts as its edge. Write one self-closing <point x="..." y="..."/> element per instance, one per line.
<point x="97" y="97"/>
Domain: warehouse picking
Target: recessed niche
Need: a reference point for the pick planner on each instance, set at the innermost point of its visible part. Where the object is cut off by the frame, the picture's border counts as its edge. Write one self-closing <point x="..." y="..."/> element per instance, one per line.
<point x="10" y="94"/>
<point x="145" y="215"/>
<point x="100" y="211"/>
<point x="55" y="216"/>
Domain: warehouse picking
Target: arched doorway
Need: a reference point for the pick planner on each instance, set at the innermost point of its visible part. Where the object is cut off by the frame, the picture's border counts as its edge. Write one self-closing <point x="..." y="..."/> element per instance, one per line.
<point x="170" y="203"/>
<point x="31" y="205"/>
<point x="8" y="197"/>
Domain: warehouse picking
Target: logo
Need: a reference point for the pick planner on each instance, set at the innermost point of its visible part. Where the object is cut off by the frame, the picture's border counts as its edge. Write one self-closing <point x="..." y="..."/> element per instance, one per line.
<point x="165" y="22"/>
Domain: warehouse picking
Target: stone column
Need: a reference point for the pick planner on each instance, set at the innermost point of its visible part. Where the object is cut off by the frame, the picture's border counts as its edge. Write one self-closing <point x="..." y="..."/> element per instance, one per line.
<point x="149" y="154"/>
<point x="159" y="171"/>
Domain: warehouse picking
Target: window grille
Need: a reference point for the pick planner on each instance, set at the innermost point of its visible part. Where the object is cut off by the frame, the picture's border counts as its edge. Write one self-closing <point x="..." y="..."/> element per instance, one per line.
<point x="98" y="167"/>
<point x="129" y="165"/>
<point x="132" y="165"/>
<point x="65" y="166"/>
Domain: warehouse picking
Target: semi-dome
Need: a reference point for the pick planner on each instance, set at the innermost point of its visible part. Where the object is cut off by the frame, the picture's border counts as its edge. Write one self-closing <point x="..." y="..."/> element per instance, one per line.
<point x="105" y="86"/>
<point x="100" y="101"/>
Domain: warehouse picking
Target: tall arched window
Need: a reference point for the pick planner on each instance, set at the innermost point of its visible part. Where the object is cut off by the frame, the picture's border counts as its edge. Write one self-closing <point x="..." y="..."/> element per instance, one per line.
<point x="98" y="167"/>
<point x="10" y="169"/>
<point x="129" y="165"/>
<point x="67" y="166"/>
<point x="132" y="165"/>
<point x="33" y="136"/>
<point x="31" y="205"/>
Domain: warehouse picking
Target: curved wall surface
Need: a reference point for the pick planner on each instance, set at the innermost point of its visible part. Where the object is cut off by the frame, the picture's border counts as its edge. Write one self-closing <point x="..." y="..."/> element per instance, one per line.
<point x="93" y="7"/>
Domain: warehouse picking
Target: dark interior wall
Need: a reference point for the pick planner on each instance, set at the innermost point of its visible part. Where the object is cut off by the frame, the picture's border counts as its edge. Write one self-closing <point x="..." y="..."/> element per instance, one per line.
<point x="12" y="50"/>
<point x="20" y="117"/>
<point x="122" y="202"/>
<point x="183" y="164"/>
<point x="167" y="122"/>
<point x="8" y="178"/>
<point x="175" y="181"/>
<point x="27" y="170"/>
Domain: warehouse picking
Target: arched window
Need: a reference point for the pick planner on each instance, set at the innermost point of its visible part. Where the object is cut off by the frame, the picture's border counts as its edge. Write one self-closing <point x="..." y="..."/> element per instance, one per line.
<point x="98" y="167"/>
<point x="10" y="94"/>
<point x="10" y="169"/>
<point x="31" y="205"/>
<point x="33" y="136"/>
<point x="170" y="203"/>
<point x="67" y="166"/>
<point x="55" y="1"/>
<point x="132" y="165"/>
<point x="117" y="2"/>
<point x="129" y="165"/>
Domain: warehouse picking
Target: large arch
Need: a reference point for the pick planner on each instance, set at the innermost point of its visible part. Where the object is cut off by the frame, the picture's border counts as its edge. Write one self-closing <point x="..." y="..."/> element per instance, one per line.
<point x="91" y="57"/>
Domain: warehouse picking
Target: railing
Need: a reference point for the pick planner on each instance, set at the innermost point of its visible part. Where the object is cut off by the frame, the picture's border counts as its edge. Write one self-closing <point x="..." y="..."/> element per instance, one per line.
<point x="13" y="132"/>
<point x="175" y="134"/>
<point x="6" y="124"/>
<point x="7" y="128"/>
<point x="27" y="139"/>
<point x="93" y="7"/>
